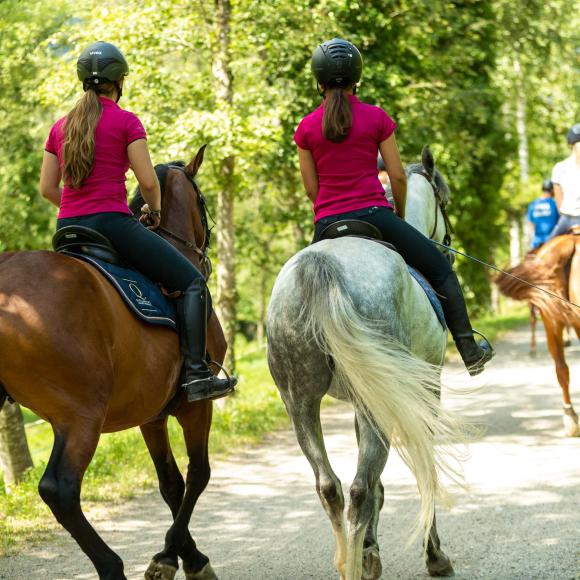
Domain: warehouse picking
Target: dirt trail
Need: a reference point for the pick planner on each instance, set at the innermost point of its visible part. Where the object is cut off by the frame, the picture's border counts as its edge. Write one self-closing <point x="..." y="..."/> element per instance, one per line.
<point x="260" y="517"/>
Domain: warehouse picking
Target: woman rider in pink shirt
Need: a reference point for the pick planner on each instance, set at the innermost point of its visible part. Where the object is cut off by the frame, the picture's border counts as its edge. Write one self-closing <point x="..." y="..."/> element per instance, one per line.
<point x="91" y="150"/>
<point x="337" y="150"/>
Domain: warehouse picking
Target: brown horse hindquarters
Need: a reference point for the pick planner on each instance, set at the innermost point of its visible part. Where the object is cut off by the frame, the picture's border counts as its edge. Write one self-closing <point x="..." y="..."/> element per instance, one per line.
<point x="574" y="284"/>
<point x="69" y="346"/>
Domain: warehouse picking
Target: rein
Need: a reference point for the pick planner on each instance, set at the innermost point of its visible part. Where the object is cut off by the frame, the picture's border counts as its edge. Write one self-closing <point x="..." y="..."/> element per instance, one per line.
<point x="492" y="267"/>
<point x="441" y="204"/>
<point x="200" y="251"/>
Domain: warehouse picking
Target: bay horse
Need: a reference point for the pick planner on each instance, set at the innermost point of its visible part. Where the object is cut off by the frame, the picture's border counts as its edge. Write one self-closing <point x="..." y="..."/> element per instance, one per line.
<point x="73" y="353"/>
<point x="347" y="319"/>
<point x="555" y="266"/>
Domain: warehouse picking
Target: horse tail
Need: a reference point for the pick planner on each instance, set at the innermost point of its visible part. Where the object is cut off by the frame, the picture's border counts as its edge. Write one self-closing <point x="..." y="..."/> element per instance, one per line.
<point x="399" y="392"/>
<point x="3" y="396"/>
<point x="546" y="267"/>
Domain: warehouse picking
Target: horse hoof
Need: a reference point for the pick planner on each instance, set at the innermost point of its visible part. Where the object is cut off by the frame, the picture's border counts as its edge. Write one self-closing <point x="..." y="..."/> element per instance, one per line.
<point x="372" y="567"/>
<point x="441" y="566"/>
<point x="206" y="573"/>
<point x="571" y="427"/>
<point x="161" y="571"/>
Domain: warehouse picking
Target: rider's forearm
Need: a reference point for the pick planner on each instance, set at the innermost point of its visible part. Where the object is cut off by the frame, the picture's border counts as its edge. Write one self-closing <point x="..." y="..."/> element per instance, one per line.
<point x="152" y="195"/>
<point x="399" y="190"/>
<point x="558" y="195"/>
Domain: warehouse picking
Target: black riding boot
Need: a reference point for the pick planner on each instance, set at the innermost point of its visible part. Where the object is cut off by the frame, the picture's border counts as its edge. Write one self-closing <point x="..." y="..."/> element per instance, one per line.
<point x="474" y="355"/>
<point x="199" y="380"/>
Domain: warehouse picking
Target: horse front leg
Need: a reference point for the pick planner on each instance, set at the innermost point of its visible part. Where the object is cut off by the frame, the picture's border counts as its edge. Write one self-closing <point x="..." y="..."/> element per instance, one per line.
<point x="195" y="419"/>
<point x="60" y="488"/>
<point x="554" y="336"/>
<point x="366" y="501"/>
<point x="172" y="488"/>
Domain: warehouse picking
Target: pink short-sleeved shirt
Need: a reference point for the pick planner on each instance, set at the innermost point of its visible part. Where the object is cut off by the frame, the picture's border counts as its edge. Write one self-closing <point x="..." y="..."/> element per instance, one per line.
<point x="104" y="189"/>
<point x="347" y="171"/>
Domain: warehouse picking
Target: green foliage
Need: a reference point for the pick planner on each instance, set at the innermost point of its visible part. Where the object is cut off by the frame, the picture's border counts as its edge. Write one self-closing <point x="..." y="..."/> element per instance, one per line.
<point x="444" y="70"/>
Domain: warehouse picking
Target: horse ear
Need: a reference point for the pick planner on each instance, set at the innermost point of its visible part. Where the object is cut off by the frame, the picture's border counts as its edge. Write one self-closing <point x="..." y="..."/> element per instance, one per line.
<point x="428" y="161"/>
<point x="193" y="167"/>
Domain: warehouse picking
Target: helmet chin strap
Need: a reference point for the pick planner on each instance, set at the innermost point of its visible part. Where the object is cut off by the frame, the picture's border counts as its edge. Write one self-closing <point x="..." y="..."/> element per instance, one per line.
<point x="119" y="91"/>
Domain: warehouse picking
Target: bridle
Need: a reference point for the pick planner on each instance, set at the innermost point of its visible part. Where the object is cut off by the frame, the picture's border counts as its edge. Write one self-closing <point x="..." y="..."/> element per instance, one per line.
<point x="200" y="251"/>
<point x="440" y="203"/>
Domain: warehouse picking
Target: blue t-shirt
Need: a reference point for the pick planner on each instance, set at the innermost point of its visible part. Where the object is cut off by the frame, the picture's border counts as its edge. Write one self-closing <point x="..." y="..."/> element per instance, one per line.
<point x="543" y="213"/>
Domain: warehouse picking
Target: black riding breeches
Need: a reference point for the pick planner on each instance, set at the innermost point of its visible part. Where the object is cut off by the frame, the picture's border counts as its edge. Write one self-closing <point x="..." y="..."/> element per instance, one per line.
<point x="415" y="248"/>
<point x="141" y="248"/>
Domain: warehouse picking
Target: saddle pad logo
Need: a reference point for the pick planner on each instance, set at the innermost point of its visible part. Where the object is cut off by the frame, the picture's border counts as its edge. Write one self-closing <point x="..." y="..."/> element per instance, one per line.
<point x="139" y="296"/>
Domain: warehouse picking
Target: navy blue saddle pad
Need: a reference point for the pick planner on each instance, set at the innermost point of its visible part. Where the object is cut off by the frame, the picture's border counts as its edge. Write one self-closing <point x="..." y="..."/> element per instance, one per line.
<point x="430" y="294"/>
<point x="142" y="296"/>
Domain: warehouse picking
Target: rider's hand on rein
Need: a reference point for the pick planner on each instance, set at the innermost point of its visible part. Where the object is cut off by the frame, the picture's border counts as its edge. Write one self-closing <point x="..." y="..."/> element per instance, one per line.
<point x="150" y="218"/>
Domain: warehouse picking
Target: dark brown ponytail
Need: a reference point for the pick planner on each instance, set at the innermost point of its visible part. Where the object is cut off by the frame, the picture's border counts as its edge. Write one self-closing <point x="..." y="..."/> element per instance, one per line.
<point x="337" y="119"/>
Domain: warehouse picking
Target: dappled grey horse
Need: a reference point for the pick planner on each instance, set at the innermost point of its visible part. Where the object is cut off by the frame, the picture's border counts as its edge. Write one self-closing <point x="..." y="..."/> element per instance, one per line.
<point x="346" y="318"/>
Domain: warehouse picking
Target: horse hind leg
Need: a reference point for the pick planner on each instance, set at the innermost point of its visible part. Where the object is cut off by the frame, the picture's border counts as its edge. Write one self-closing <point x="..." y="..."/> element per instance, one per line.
<point x="438" y="564"/>
<point x="303" y="377"/>
<point x="306" y="419"/>
<point x="533" y="322"/>
<point x="60" y="487"/>
<point x="554" y="336"/>
<point x="366" y="501"/>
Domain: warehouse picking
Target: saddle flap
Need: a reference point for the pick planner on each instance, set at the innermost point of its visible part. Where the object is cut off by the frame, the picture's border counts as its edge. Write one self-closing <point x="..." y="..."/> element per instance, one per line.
<point x="351" y="227"/>
<point x="83" y="240"/>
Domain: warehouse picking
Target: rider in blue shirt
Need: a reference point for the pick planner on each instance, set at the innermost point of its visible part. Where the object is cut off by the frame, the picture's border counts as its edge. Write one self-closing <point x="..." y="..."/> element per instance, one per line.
<point x="543" y="213"/>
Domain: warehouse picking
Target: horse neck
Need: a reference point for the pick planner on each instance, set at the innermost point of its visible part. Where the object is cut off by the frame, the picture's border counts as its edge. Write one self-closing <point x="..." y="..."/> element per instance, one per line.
<point x="180" y="213"/>
<point x="421" y="209"/>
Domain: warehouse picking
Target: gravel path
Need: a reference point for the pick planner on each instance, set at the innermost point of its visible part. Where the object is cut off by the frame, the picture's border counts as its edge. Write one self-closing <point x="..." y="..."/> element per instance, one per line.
<point x="260" y="517"/>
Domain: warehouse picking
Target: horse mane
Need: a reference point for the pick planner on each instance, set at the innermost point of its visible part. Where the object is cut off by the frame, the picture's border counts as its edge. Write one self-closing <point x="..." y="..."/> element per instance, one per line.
<point x="439" y="180"/>
<point x="161" y="170"/>
<point x="549" y="268"/>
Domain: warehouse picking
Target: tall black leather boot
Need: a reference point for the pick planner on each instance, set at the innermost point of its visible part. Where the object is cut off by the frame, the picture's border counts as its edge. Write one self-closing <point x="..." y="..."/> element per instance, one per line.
<point x="199" y="381"/>
<point x="474" y="355"/>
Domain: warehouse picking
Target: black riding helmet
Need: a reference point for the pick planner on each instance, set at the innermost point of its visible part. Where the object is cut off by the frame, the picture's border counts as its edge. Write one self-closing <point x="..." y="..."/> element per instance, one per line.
<point x="337" y="62"/>
<point x="102" y="62"/>
<point x="547" y="185"/>
<point x="574" y="134"/>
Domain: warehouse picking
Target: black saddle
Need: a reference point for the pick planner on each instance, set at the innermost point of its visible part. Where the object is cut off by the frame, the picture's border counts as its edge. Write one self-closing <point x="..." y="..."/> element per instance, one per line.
<point x="83" y="240"/>
<point x="351" y="227"/>
<point x="354" y="228"/>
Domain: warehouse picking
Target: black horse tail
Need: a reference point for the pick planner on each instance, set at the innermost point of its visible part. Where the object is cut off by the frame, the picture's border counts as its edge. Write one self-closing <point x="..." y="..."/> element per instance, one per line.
<point x="3" y="396"/>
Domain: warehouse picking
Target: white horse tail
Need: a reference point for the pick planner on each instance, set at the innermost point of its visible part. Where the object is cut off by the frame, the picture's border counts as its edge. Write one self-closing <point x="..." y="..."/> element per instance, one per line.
<point x="398" y="390"/>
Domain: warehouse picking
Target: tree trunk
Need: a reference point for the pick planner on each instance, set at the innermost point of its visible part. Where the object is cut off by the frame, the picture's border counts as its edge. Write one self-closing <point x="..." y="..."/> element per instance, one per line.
<point x="521" y="125"/>
<point x="515" y="247"/>
<point x="15" y="456"/>
<point x="261" y="329"/>
<point x="226" y="275"/>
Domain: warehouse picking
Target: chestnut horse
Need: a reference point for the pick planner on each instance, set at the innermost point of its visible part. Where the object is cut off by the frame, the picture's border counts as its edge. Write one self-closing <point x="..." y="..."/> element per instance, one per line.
<point x="554" y="266"/>
<point x="73" y="353"/>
